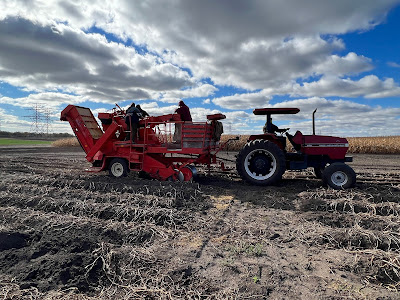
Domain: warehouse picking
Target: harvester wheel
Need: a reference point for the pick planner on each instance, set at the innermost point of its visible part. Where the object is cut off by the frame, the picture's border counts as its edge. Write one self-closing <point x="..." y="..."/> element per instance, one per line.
<point x="261" y="162"/>
<point x="118" y="167"/>
<point x="187" y="173"/>
<point x="339" y="176"/>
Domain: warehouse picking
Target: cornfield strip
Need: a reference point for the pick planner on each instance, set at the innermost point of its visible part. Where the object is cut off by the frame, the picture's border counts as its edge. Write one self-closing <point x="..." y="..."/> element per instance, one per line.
<point x="366" y="145"/>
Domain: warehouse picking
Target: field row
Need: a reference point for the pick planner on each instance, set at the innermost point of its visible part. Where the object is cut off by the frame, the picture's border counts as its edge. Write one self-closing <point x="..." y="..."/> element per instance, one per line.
<point x="65" y="230"/>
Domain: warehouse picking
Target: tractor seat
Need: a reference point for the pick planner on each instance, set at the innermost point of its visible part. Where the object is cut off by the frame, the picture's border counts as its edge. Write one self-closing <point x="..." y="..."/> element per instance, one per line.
<point x="295" y="140"/>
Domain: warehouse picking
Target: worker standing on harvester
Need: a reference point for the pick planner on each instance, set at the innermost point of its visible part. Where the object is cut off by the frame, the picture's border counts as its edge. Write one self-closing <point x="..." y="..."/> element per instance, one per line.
<point x="184" y="112"/>
<point x="132" y="121"/>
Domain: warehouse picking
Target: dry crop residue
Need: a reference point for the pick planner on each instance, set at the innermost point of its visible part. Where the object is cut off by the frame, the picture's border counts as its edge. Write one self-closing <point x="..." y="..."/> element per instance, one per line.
<point x="64" y="232"/>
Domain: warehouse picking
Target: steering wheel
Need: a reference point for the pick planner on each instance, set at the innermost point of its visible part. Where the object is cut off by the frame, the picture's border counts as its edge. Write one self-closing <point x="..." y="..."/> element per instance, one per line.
<point x="282" y="130"/>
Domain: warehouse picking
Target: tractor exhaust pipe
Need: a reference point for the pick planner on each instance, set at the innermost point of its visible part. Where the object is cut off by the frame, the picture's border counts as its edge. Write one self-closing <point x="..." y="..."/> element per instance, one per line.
<point x="313" y="121"/>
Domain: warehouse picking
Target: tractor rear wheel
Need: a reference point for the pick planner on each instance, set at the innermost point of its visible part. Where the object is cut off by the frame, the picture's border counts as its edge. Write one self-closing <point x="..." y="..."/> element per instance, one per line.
<point x="118" y="167"/>
<point x="261" y="162"/>
<point x="339" y="176"/>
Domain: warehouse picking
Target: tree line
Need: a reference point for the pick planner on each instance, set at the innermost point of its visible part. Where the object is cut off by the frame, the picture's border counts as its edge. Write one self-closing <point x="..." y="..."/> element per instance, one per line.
<point x="34" y="136"/>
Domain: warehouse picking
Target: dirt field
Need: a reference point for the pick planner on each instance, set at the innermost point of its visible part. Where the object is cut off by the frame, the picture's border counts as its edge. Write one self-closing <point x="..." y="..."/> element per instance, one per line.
<point x="67" y="234"/>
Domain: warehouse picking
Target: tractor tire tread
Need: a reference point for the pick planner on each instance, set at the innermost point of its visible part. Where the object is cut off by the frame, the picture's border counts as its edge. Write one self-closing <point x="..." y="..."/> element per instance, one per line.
<point x="266" y="145"/>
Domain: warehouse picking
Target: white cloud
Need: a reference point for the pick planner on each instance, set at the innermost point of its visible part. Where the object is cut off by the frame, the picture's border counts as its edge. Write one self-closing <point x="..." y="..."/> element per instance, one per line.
<point x="266" y="46"/>
<point x="12" y="123"/>
<point x="59" y="57"/>
<point x="327" y="86"/>
<point x="343" y="118"/>
<point x="243" y="101"/>
<point x="369" y="87"/>
<point x="202" y="90"/>
<point x="338" y="66"/>
<point x="393" y="64"/>
<point x="257" y="64"/>
<point x="50" y="100"/>
<point x="155" y="110"/>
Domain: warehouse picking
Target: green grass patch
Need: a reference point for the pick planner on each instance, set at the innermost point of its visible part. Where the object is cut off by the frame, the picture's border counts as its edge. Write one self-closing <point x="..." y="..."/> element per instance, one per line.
<point x="7" y="141"/>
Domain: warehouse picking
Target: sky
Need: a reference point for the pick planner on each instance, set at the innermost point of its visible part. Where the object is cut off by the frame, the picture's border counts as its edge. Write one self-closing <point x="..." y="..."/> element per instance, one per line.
<point x="218" y="56"/>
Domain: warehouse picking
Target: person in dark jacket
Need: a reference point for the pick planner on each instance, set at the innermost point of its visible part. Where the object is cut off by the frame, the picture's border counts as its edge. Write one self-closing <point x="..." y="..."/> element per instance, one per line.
<point x="132" y="120"/>
<point x="184" y="112"/>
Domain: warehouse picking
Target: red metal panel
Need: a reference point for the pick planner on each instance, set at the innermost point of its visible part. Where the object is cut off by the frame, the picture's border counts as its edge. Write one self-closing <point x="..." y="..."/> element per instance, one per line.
<point x="102" y="141"/>
<point x="216" y="117"/>
<point x="334" y="147"/>
<point x="83" y="124"/>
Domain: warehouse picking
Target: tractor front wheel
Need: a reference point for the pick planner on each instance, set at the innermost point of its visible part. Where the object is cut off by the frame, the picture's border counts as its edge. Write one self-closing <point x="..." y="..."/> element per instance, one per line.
<point x="261" y="162"/>
<point x="339" y="176"/>
<point x="118" y="167"/>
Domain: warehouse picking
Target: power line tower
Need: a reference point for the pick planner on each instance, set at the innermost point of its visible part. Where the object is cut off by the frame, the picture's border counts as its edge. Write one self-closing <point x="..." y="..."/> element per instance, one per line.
<point x="47" y="129"/>
<point x="36" y="116"/>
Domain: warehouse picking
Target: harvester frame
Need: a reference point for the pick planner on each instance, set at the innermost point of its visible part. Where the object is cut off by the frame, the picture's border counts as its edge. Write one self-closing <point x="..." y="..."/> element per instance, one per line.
<point x="154" y="152"/>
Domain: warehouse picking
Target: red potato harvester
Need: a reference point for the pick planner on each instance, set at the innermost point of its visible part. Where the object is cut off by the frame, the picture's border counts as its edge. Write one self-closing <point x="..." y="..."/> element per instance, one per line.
<point x="262" y="161"/>
<point x="154" y="152"/>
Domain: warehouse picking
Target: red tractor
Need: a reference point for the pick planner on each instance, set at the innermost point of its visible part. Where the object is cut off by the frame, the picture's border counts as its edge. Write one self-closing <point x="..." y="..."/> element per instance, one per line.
<point x="264" y="159"/>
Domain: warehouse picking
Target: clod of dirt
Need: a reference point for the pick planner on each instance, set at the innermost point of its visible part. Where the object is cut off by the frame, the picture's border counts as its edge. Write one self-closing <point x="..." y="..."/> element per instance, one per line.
<point x="274" y="236"/>
<point x="10" y="240"/>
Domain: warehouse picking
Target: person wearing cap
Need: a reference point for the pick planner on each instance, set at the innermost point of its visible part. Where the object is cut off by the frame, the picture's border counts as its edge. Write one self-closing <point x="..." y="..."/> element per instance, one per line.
<point x="273" y="129"/>
<point x="184" y="111"/>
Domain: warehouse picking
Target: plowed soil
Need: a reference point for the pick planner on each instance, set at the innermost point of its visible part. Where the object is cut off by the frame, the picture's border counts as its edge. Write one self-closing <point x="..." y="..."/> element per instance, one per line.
<point x="68" y="234"/>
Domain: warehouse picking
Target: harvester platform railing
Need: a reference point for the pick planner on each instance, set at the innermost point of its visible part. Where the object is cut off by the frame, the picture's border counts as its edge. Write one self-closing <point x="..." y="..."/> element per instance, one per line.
<point x="162" y="131"/>
<point x="196" y="135"/>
